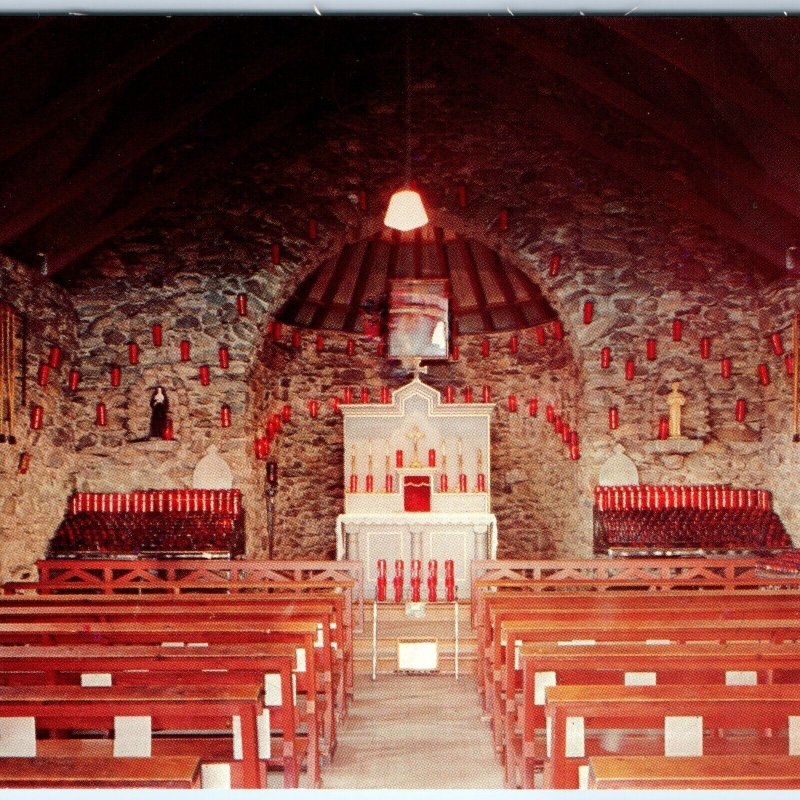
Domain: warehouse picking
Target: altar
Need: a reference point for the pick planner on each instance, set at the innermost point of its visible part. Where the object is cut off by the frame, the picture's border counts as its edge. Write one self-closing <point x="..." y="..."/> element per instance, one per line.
<point x="417" y="484"/>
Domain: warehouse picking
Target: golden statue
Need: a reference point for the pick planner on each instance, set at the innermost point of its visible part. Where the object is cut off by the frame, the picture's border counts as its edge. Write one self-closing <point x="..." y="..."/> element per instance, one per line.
<point x="675" y="401"/>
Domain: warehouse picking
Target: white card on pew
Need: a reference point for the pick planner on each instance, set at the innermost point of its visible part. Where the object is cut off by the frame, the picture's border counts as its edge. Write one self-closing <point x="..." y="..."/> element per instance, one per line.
<point x="132" y="737"/>
<point x="640" y="678"/>
<point x="741" y="677"/>
<point x="576" y="742"/>
<point x="236" y="727"/>
<point x="319" y="641"/>
<point x="583" y="777"/>
<point x="541" y="680"/>
<point x="263" y="729"/>
<point x="683" y="736"/>
<point x="18" y="736"/>
<point x="548" y="730"/>
<point x="300" y="655"/>
<point x="95" y="679"/>
<point x="294" y="688"/>
<point x="197" y="644"/>
<point x="794" y="736"/>
<point x="658" y="641"/>
<point x="272" y="689"/>
<point x="577" y="642"/>
<point x="216" y="776"/>
<point x="173" y="644"/>
<point x="517" y="648"/>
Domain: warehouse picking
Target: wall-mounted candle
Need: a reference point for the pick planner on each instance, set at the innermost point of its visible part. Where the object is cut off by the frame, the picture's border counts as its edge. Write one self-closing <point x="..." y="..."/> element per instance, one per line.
<point x="205" y="375"/>
<point x="43" y="374"/>
<point x="241" y="304"/>
<point x="788" y="362"/>
<point x="512" y="403"/>
<point x="741" y="409"/>
<point x="613" y="418"/>
<point x="763" y="374"/>
<point x="650" y="348"/>
<point x="313" y="408"/>
<point x="540" y="335"/>
<point x="54" y="357"/>
<point x="486" y="393"/>
<point x="588" y="312"/>
<point x="777" y="344"/>
<point x="73" y="379"/>
<point x="467" y="394"/>
<point x="365" y="394"/>
<point x="398" y="458"/>
<point x="605" y="357"/>
<point x="185" y="348"/>
<point x="157" y="334"/>
<point x="663" y="427"/>
<point x="677" y="330"/>
<point x="350" y="348"/>
<point x="725" y="367"/>
<point x="549" y="412"/>
<point x="115" y="375"/>
<point x="320" y="343"/>
<point x="533" y="407"/>
<point x="431" y="457"/>
<point x="224" y="357"/>
<point x="297" y="340"/>
<point x="485" y="348"/>
<point x="386" y="395"/>
<point x="513" y="343"/>
<point x="630" y="369"/>
<point x="449" y="393"/>
<point x="37" y="417"/>
<point x="133" y="353"/>
<point x="100" y="415"/>
<point x="558" y="330"/>
<point x="705" y="347"/>
<point x="555" y="264"/>
<point x="225" y="416"/>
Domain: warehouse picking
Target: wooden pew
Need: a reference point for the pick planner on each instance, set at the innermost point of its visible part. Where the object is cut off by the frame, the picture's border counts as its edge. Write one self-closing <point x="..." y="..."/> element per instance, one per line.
<point x="644" y="708"/>
<point x="610" y="663"/>
<point x="187" y="707"/>
<point x="94" y="772"/>
<point x="302" y="633"/>
<point x="634" y="773"/>
<point x="151" y="666"/>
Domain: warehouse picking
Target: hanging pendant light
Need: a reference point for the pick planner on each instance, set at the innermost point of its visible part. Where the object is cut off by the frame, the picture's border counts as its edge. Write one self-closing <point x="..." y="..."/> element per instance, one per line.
<point x="406" y="211"/>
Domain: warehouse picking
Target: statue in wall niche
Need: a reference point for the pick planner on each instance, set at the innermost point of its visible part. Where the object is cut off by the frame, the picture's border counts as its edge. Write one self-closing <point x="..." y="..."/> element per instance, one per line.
<point x="159" y="409"/>
<point x="675" y="402"/>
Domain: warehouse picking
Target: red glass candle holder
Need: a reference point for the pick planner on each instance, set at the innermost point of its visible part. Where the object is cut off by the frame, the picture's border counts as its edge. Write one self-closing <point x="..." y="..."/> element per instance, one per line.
<point x="454" y="352"/>
<point x="741" y="409"/>
<point x="663" y="427"/>
<point x="431" y="457"/>
<point x="605" y="357"/>
<point x="558" y="330"/>
<point x="558" y="424"/>
<point x="365" y="394"/>
<point x="157" y="334"/>
<point x="369" y="483"/>
<point x="353" y="483"/>
<point x="705" y="347"/>
<point x="725" y="367"/>
<point x="275" y="253"/>
<point x="312" y="235"/>
<point x="73" y="379"/>
<point x="677" y="330"/>
<point x="443" y="488"/>
<point x="185" y="348"/>
<point x="37" y="417"/>
<point x="513" y="343"/>
<point x="502" y="223"/>
<point x="43" y="374"/>
<point x="168" y="435"/>
<point x="462" y="482"/>
<point x="277" y="331"/>
<point x="486" y="393"/>
<point x="788" y="362"/>
<point x="205" y="375"/>
<point x="313" y="408"/>
<point x="777" y="343"/>
<point x="763" y="374"/>
<point x="533" y="407"/>
<point x="100" y="415"/>
<point x="485" y="348"/>
<point x="286" y="413"/>
<point x="225" y="416"/>
<point x="549" y="413"/>
<point x="481" y="482"/>
<point x="335" y="405"/>
<point x="650" y="348"/>
<point x="467" y="394"/>
<point x="555" y="264"/>
<point x="115" y="376"/>
<point x="24" y="463"/>
<point x="512" y="403"/>
<point x="224" y="357"/>
<point x="297" y="340"/>
<point x="449" y="393"/>
<point x="540" y="335"/>
<point x="388" y="484"/>
<point x="351" y="347"/>
<point x="574" y="452"/>
<point x="54" y="357"/>
<point x="320" y="343"/>
<point x="630" y="369"/>
<point x="398" y="458"/>
<point x="386" y="395"/>
<point x="588" y="312"/>
<point x="241" y="304"/>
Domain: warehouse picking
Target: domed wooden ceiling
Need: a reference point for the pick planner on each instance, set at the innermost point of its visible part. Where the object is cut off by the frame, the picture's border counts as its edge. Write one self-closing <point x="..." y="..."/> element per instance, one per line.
<point x="486" y="294"/>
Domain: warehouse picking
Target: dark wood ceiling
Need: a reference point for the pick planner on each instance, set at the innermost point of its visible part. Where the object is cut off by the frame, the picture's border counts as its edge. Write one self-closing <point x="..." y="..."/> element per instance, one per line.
<point x="103" y="120"/>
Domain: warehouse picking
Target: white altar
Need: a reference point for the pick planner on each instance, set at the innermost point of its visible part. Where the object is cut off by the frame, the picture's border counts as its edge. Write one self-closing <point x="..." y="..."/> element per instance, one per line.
<point x="417" y="485"/>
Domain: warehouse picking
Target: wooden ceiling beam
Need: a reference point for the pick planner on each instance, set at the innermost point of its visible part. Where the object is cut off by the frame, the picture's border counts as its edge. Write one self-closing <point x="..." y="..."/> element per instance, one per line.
<point x="88" y="91"/>
<point x="334" y="282"/>
<point x="564" y="123"/>
<point x="696" y="141"/>
<point x="475" y="282"/>
<point x="359" y="287"/>
<point x="739" y="89"/>
<point x="122" y="153"/>
<point x="507" y="289"/>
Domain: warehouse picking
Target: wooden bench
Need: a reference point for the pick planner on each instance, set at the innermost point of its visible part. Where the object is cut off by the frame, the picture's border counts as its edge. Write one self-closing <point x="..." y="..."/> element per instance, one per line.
<point x="96" y="772"/>
<point x="604" y="663"/>
<point x="571" y="710"/>
<point x="693" y="772"/>
<point x="151" y="666"/>
<point x="179" y="707"/>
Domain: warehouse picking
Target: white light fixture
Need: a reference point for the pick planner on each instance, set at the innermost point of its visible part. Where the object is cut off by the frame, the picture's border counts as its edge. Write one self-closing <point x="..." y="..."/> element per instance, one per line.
<point x="406" y="211"/>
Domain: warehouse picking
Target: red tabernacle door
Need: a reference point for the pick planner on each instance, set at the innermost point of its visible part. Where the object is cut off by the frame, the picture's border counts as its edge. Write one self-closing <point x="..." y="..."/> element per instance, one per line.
<point x="417" y="492"/>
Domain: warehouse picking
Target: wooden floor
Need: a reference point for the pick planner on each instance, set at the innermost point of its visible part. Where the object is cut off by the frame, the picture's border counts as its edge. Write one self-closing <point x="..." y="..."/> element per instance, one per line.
<point x="414" y="732"/>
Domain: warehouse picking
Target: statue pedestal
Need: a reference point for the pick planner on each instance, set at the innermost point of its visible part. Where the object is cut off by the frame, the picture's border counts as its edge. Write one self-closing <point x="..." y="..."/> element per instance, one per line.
<point x="682" y="446"/>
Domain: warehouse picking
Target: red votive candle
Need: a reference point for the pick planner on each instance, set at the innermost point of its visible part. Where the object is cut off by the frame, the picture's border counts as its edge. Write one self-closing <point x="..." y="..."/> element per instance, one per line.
<point x="369" y="483"/>
<point x="565" y="432"/>
<point x="320" y="343"/>
<point x="443" y="483"/>
<point x="449" y="393"/>
<point x="467" y="394"/>
<point x="225" y="416"/>
<point x="630" y="369"/>
<point x="725" y="367"/>
<point x="763" y="374"/>
<point x="185" y="348"/>
<point x="454" y="352"/>
<point x="705" y="347"/>
<point x="555" y="264"/>
<point x="513" y="343"/>
<point x="788" y="362"/>
<point x="286" y="413"/>
<point x="540" y="335"/>
<point x="650" y="347"/>
<point x="481" y="483"/>
<point x="133" y="353"/>
<point x="389" y="484"/>
<point x="37" y="416"/>
<point x="533" y="407"/>
<point x="313" y="408"/>
<point x="277" y="331"/>
<point x="224" y="357"/>
<point x="663" y="427"/>
<point x="365" y="394"/>
<point x="24" y="463"/>
<point x="157" y="333"/>
<point x="512" y="403"/>
<point x="205" y="375"/>
<point x="549" y="413"/>
<point x="354" y="483"/>
<point x="351" y="347"/>
<point x="335" y="405"/>
<point x="574" y="452"/>
<point x="241" y="305"/>
<point x="348" y="394"/>
<point x="43" y="374"/>
<point x="462" y="482"/>
<point x="380" y="589"/>
<point x="605" y="357"/>
<point x="677" y="330"/>
<point x="312" y="235"/>
<point x="116" y="375"/>
<point x="777" y="344"/>
<point x="386" y="395"/>
<point x="485" y="348"/>
<point x="398" y="458"/>
<point x="558" y="330"/>
<point x="741" y="409"/>
<point x="397" y="581"/>
<point x="276" y="254"/>
<point x="73" y="379"/>
<point x="100" y="415"/>
<point x="54" y="357"/>
<point x="588" y="312"/>
<point x="503" y="221"/>
<point x="431" y="457"/>
<point x="486" y="393"/>
<point x="297" y="340"/>
<point x="558" y="424"/>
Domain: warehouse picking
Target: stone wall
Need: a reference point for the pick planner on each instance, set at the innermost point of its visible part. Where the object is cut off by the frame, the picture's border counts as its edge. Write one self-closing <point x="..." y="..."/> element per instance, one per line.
<point x="32" y="504"/>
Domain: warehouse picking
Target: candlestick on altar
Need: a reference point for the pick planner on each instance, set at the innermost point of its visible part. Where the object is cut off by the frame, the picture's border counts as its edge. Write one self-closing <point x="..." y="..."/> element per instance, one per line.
<point x="415" y="435"/>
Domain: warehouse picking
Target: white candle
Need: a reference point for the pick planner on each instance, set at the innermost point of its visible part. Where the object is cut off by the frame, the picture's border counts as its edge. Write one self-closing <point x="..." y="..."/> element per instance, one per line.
<point x="460" y="445"/>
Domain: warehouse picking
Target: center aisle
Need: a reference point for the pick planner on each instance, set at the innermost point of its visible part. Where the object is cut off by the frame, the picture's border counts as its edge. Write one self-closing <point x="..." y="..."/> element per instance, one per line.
<point x="414" y="732"/>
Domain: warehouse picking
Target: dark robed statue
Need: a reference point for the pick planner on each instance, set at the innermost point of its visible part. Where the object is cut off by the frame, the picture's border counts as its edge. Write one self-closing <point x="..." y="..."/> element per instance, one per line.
<point x="159" y="408"/>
